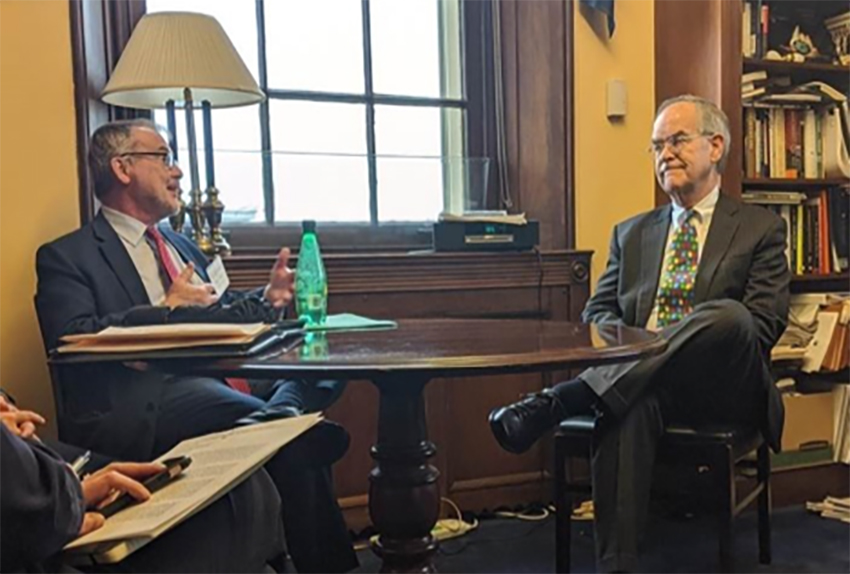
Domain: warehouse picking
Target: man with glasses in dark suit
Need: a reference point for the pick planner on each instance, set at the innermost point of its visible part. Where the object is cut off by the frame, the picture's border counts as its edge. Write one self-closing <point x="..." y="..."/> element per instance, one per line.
<point x="123" y="268"/>
<point x="710" y="275"/>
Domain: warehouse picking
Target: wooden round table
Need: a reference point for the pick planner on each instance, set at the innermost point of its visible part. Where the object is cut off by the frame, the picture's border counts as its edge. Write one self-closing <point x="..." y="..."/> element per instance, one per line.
<point x="404" y="498"/>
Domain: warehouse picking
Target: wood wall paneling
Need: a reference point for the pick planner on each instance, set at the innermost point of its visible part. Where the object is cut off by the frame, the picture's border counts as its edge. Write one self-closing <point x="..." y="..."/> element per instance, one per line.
<point x="697" y="51"/>
<point x="537" y="56"/>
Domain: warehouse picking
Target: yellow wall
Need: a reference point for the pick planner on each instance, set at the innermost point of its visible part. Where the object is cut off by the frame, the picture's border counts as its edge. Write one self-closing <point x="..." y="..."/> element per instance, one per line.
<point x="38" y="178"/>
<point x="614" y="176"/>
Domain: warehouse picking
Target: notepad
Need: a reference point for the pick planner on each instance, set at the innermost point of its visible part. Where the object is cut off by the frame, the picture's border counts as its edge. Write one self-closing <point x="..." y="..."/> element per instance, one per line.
<point x="351" y="322"/>
<point x="220" y="461"/>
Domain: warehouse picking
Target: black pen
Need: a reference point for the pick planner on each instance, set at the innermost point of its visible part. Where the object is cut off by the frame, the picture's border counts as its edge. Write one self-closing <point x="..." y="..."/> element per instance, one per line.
<point x="173" y="468"/>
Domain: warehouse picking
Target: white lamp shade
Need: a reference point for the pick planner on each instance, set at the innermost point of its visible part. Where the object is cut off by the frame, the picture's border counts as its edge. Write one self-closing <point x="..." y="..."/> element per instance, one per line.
<point x="171" y="51"/>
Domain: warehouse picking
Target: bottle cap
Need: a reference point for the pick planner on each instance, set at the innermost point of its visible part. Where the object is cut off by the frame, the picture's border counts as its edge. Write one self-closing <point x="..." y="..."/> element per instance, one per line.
<point x="308" y="226"/>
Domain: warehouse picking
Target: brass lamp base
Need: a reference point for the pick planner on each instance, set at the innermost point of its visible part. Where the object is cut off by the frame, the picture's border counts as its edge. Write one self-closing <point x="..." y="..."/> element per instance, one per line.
<point x="213" y="209"/>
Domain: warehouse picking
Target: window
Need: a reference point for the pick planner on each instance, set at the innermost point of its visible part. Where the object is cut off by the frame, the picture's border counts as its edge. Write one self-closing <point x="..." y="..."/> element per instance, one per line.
<point x="365" y="123"/>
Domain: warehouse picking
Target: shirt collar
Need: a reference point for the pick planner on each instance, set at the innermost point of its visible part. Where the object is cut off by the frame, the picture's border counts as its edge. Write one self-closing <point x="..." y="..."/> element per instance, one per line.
<point x="704" y="209"/>
<point x="127" y="227"/>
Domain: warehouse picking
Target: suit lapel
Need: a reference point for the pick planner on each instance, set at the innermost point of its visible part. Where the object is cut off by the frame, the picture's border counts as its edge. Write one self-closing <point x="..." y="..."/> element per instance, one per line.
<point x="119" y="260"/>
<point x="653" y="242"/>
<point x="724" y="224"/>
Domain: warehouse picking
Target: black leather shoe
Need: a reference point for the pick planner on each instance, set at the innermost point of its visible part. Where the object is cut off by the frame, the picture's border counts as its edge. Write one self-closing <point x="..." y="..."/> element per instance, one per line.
<point x="518" y="426"/>
<point x="269" y="414"/>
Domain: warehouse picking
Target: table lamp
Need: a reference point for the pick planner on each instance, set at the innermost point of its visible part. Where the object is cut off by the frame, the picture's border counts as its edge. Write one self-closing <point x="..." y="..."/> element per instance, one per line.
<point x="176" y="59"/>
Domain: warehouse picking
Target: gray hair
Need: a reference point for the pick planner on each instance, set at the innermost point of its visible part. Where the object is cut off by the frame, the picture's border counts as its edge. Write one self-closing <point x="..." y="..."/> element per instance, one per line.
<point x="713" y="121"/>
<point x="108" y="141"/>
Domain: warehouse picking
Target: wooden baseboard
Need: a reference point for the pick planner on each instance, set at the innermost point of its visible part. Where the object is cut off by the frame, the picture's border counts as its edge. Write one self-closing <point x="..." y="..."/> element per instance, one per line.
<point x="794" y="486"/>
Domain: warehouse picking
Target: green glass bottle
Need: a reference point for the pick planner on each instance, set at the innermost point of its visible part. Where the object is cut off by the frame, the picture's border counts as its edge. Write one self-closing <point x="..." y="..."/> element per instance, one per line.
<point x="311" y="283"/>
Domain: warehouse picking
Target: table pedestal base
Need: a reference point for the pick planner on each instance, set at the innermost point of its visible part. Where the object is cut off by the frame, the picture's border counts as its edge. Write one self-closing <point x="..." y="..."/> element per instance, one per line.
<point x="404" y="498"/>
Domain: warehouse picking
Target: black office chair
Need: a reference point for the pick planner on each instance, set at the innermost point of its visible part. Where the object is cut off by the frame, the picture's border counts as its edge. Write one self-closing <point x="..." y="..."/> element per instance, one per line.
<point x="721" y="448"/>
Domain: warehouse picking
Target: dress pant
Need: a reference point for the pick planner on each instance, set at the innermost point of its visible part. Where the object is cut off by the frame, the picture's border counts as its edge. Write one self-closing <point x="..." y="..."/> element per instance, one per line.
<point x="316" y="535"/>
<point x="712" y="371"/>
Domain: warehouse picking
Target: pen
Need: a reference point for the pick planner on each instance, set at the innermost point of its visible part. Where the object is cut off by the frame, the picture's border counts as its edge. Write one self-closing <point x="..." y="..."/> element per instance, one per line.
<point x="173" y="468"/>
<point x="80" y="462"/>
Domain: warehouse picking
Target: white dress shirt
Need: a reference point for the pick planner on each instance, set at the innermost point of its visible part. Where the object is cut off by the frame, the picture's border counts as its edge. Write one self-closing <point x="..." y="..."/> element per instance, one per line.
<point x="702" y="220"/>
<point x="132" y="234"/>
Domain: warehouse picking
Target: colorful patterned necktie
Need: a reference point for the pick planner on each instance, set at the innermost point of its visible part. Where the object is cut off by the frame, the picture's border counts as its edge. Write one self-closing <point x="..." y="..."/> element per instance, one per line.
<point x="675" y="297"/>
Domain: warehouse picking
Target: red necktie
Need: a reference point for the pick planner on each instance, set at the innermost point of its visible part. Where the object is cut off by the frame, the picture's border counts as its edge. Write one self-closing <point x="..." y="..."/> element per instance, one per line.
<point x="163" y="254"/>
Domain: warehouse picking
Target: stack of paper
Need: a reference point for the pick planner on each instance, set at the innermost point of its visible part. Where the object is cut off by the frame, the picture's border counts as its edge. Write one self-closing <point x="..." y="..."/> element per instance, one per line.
<point x="831" y="507"/>
<point x="158" y="337"/>
<point x="486" y="217"/>
<point x="220" y="461"/>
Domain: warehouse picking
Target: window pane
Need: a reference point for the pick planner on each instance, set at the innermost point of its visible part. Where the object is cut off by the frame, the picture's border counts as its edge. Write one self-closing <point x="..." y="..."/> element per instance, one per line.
<point x="315" y="45"/>
<point x="410" y="168"/>
<point x="321" y="187"/>
<point x="239" y="20"/>
<point x="317" y="127"/>
<point x="406" y="47"/>
<point x="238" y="159"/>
<point x="327" y="176"/>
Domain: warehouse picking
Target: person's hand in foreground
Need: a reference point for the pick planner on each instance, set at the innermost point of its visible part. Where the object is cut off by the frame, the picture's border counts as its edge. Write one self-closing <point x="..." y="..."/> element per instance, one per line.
<point x="105" y="485"/>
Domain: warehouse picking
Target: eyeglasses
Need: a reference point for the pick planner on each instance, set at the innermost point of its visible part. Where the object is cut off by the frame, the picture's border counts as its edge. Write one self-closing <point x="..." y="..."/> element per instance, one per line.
<point x="676" y="142"/>
<point x="166" y="157"/>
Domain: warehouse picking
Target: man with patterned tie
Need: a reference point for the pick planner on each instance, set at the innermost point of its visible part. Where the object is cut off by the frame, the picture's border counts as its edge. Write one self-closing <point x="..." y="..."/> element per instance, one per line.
<point x="710" y="275"/>
<point x="123" y="268"/>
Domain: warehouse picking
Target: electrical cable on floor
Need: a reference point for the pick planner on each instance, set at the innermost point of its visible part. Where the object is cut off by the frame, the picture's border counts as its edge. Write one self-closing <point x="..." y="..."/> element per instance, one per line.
<point x="444" y="529"/>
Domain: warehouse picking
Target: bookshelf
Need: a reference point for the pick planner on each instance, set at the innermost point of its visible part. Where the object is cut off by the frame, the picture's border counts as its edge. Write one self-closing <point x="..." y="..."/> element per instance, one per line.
<point x="699" y="49"/>
<point x="790" y="136"/>
<point x="788" y="144"/>
<point x="802" y="70"/>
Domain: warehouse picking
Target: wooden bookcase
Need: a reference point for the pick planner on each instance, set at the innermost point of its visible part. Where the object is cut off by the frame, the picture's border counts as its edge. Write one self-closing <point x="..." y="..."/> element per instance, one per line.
<point x="698" y="50"/>
<point x="704" y="57"/>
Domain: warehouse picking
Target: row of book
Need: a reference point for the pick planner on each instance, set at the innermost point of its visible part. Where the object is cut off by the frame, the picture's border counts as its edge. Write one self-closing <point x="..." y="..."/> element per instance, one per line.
<point x="755" y="25"/>
<point x="818" y="226"/>
<point x="795" y="131"/>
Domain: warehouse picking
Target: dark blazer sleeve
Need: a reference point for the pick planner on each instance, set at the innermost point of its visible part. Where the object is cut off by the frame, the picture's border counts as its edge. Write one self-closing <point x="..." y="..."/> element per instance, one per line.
<point x="42" y="503"/>
<point x="766" y="293"/>
<point x="603" y="306"/>
<point x="66" y="304"/>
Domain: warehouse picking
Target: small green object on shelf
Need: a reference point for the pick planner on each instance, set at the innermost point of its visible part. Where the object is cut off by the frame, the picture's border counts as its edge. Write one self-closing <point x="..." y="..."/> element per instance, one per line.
<point x="350" y="322"/>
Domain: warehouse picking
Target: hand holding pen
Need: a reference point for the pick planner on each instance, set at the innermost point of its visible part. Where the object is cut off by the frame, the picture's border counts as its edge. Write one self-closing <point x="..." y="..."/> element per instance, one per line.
<point x="109" y="483"/>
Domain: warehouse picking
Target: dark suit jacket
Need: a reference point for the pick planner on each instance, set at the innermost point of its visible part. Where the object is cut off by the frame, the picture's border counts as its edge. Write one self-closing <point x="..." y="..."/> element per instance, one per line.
<point x="743" y="259"/>
<point x="87" y="282"/>
<point x="41" y="501"/>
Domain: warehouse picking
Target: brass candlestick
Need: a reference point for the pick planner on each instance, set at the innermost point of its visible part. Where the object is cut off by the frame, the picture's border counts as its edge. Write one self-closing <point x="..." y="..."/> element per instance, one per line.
<point x="178" y="219"/>
<point x="213" y="207"/>
<point x="196" y="207"/>
<point x="213" y="210"/>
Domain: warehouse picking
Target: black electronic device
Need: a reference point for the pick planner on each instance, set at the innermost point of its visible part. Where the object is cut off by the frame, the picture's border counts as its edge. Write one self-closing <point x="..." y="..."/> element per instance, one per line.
<point x="485" y="236"/>
<point x="173" y="468"/>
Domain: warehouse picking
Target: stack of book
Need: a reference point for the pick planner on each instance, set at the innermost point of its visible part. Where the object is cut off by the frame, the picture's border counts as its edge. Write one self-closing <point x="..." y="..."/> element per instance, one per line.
<point x="796" y="132"/>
